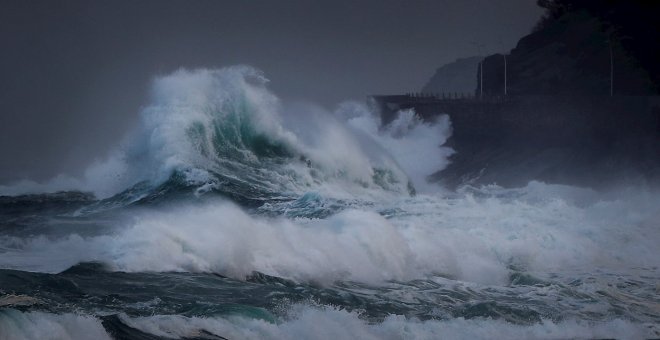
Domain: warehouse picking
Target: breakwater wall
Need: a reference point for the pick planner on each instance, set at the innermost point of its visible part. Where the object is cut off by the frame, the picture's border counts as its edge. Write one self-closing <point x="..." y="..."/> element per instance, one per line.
<point x="563" y="139"/>
<point x="561" y="119"/>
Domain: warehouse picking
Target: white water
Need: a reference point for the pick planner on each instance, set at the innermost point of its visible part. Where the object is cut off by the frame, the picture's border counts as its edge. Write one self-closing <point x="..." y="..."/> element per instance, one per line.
<point x="306" y="322"/>
<point x="544" y="229"/>
<point x="15" y="325"/>
<point x="190" y="111"/>
<point x="471" y="236"/>
<point x="414" y="144"/>
<point x="475" y="236"/>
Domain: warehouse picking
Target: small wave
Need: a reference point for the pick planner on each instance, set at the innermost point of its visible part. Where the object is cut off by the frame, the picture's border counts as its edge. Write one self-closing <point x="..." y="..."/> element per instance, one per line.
<point x="15" y="325"/>
<point x="304" y="322"/>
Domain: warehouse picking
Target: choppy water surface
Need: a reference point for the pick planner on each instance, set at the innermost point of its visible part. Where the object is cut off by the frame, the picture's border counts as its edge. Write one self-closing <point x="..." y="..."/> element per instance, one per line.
<point x="226" y="217"/>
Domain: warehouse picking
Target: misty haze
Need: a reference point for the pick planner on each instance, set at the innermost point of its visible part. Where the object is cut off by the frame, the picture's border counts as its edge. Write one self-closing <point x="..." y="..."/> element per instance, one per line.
<point x="329" y="170"/>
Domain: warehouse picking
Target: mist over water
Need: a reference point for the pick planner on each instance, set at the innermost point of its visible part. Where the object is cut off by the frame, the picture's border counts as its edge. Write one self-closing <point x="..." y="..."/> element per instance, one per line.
<point x="323" y="218"/>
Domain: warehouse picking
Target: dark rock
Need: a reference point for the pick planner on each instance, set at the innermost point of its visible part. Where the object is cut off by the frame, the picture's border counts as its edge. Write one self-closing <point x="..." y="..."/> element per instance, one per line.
<point x="574" y="55"/>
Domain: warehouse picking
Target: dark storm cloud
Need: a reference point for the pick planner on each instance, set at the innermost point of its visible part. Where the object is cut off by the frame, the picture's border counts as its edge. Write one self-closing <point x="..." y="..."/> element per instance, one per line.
<point x="73" y="74"/>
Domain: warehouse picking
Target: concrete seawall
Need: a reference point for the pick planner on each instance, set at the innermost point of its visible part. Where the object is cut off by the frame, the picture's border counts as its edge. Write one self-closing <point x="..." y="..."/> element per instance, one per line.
<point x="584" y="138"/>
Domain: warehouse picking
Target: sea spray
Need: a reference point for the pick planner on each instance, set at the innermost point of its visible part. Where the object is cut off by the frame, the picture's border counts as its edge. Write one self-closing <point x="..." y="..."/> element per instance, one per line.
<point x="240" y="216"/>
<point x="468" y="237"/>
<point x="224" y="131"/>
<point x="417" y="146"/>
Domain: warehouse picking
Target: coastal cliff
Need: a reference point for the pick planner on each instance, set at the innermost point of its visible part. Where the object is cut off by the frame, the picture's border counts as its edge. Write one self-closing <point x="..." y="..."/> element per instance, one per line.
<point x="455" y="77"/>
<point x="579" y="105"/>
<point x="576" y="54"/>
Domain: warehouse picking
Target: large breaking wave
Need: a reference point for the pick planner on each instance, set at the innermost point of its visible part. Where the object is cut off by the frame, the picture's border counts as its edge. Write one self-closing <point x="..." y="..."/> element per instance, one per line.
<point x="223" y="131"/>
<point x="301" y="204"/>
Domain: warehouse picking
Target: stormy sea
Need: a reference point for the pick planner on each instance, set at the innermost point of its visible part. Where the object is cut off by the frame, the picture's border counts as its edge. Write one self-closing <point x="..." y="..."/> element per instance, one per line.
<point x="229" y="214"/>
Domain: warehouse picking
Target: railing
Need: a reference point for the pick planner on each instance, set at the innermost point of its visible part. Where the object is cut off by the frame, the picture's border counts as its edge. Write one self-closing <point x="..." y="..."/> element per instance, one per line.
<point x="445" y="96"/>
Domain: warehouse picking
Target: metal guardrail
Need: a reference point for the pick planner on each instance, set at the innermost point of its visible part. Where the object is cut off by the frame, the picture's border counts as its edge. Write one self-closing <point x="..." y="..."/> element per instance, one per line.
<point x="452" y="96"/>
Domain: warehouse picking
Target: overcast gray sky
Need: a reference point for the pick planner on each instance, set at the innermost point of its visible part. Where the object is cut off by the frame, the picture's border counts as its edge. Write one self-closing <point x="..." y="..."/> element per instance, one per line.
<point x="73" y="74"/>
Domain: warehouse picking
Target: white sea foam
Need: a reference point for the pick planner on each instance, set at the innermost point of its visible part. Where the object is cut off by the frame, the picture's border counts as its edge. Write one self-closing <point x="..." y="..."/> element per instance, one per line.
<point x="307" y="322"/>
<point x="468" y="237"/>
<point x="414" y="144"/>
<point x="15" y="325"/>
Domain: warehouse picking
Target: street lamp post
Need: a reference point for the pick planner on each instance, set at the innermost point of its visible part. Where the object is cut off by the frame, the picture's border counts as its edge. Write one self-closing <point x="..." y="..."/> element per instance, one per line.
<point x="481" y="79"/>
<point x="504" y="74"/>
<point x="609" y="41"/>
